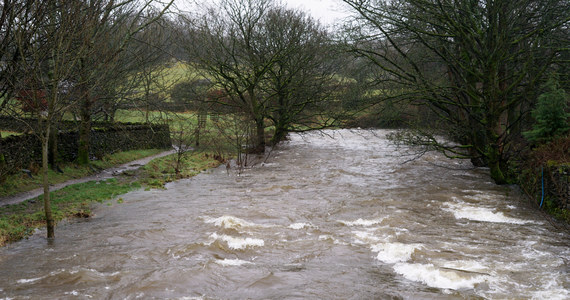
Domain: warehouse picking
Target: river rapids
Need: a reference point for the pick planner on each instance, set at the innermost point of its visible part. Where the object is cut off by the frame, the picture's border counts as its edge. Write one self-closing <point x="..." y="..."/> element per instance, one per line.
<point x="332" y="215"/>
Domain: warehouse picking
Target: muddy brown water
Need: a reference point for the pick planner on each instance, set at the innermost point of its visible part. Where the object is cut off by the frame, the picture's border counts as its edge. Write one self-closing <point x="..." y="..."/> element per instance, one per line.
<point x="334" y="216"/>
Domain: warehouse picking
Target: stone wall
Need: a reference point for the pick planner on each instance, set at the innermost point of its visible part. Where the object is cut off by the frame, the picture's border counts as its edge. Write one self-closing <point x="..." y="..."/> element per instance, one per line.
<point x="27" y="124"/>
<point x="19" y="152"/>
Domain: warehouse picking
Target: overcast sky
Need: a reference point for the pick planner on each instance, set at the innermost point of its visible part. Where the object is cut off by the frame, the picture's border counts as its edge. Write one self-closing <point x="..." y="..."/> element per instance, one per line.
<point x="329" y="12"/>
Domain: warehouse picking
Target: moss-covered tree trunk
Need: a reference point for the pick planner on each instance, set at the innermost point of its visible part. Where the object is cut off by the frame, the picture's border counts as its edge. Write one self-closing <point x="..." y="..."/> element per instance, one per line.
<point x="279" y="134"/>
<point x="281" y="124"/>
<point x="496" y="164"/>
<point x="495" y="141"/>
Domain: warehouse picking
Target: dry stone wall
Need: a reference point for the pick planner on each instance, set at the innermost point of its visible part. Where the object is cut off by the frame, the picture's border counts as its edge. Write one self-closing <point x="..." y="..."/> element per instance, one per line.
<point x="20" y="152"/>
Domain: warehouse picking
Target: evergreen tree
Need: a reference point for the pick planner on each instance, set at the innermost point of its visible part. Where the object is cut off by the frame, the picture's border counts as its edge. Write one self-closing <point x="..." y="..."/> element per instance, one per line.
<point x="550" y="114"/>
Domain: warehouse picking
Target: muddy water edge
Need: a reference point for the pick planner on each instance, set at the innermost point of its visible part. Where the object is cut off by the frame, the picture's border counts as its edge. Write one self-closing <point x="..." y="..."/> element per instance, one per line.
<point x="328" y="216"/>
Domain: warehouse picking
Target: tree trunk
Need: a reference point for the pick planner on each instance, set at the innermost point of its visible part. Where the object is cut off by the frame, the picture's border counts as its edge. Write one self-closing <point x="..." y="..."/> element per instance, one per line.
<point x="495" y="165"/>
<point x="50" y="224"/>
<point x="279" y="133"/>
<point x="282" y="121"/>
<point x="278" y="136"/>
<point x="2" y="163"/>
<point x="494" y="151"/>
<point x="84" y="131"/>
<point x="257" y="115"/>
<point x="260" y="136"/>
<point x="53" y="157"/>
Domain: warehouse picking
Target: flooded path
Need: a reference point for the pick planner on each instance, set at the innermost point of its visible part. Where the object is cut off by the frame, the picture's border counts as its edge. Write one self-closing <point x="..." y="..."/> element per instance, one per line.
<point x="104" y="174"/>
<point x="324" y="218"/>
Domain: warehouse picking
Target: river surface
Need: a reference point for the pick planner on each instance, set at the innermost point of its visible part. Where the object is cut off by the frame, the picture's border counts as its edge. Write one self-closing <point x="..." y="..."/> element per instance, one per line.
<point x="335" y="216"/>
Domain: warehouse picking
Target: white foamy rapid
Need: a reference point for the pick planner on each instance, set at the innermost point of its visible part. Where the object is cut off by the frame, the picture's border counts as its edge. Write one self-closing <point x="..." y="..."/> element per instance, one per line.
<point x="552" y="293"/>
<point x="30" y="280"/>
<point x="362" y="222"/>
<point x="481" y="214"/>
<point x="438" y="277"/>
<point x="391" y="253"/>
<point x="365" y="237"/>
<point x="298" y="226"/>
<point x="231" y="262"/>
<point x="229" y="222"/>
<point x="237" y="242"/>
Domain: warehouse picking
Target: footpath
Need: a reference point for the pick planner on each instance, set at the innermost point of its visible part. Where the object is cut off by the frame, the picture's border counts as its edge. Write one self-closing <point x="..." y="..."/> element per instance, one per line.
<point x="105" y="174"/>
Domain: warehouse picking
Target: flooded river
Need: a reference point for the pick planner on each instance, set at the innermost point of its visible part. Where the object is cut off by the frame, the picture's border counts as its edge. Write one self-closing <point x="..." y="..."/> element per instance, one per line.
<point x="334" y="216"/>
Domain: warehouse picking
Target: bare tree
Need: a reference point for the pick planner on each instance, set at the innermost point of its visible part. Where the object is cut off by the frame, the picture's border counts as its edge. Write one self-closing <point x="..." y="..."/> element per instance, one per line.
<point x="271" y="62"/>
<point x="475" y="64"/>
<point x="111" y="25"/>
<point x="300" y="84"/>
<point x="227" y="46"/>
<point x="48" y="58"/>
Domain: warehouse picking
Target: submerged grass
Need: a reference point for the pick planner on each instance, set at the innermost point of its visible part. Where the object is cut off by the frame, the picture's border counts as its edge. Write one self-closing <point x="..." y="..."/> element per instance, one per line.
<point x="19" y="221"/>
<point x="162" y="170"/>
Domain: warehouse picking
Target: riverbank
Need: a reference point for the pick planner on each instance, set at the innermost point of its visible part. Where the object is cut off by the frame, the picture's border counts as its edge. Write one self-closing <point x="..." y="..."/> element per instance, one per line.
<point x="74" y="198"/>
